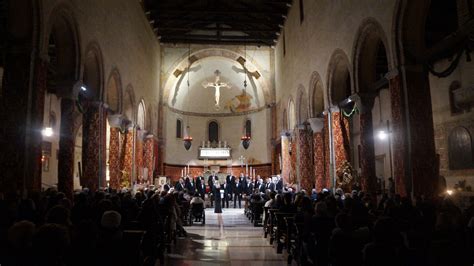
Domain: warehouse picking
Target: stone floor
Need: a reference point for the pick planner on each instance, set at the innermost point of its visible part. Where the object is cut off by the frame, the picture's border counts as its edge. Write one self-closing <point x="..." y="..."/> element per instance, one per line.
<point x="226" y="239"/>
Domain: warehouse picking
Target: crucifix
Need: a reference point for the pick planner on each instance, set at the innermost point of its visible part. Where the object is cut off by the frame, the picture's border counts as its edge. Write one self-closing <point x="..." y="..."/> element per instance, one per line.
<point x="217" y="85"/>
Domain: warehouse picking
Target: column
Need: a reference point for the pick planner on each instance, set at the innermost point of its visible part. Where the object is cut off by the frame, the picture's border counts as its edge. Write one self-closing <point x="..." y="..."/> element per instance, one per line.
<point x="398" y="136"/>
<point x="317" y="126"/>
<point x="115" y="122"/>
<point x="139" y="155"/>
<point x="93" y="146"/>
<point x="327" y="153"/>
<point x="285" y="157"/>
<point x="367" y="160"/>
<point x="341" y="139"/>
<point x="304" y="170"/>
<point x="148" y="157"/>
<point x="66" y="147"/>
<point x="127" y="162"/>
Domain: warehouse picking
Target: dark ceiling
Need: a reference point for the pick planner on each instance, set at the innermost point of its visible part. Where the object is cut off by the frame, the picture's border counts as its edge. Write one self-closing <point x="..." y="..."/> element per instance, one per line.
<point x="256" y="22"/>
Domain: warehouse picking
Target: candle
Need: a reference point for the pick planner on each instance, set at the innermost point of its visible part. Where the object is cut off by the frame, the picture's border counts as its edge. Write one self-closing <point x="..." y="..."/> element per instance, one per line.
<point x="247" y="168"/>
<point x="251" y="172"/>
<point x="182" y="172"/>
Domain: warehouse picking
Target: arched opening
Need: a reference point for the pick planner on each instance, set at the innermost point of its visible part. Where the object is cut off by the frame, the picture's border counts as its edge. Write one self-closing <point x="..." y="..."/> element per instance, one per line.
<point x="129" y="104"/>
<point x="62" y="72"/>
<point x="284" y="120"/>
<point x="213" y="132"/>
<point x="460" y="149"/>
<point x="318" y="99"/>
<point x="374" y="156"/>
<point x="92" y="76"/>
<point x="141" y="115"/>
<point x="113" y="92"/>
<point x="179" y="129"/>
<point x="291" y="115"/>
<point x="302" y="104"/>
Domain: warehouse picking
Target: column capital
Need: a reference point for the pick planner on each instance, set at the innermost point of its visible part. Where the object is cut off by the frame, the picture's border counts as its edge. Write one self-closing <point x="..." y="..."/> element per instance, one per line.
<point x="317" y="124"/>
<point x="115" y="121"/>
<point x="392" y="74"/>
<point x="364" y="100"/>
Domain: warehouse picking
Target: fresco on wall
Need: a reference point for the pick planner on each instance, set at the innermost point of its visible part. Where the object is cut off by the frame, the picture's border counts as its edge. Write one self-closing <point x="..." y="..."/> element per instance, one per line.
<point x="240" y="103"/>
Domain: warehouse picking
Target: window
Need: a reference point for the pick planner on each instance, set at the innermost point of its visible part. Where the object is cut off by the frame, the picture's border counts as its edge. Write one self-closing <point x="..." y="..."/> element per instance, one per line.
<point x="213" y="131"/>
<point x="179" y="129"/>
<point x="460" y="149"/>
<point x="248" y="128"/>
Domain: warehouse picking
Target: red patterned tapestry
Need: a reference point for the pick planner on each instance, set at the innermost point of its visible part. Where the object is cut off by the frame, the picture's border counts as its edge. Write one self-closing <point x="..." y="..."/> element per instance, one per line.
<point x="66" y="148"/>
<point x="327" y="175"/>
<point x="341" y="134"/>
<point x="114" y="158"/>
<point x="305" y="159"/>
<point x="148" y="158"/>
<point x="126" y="177"/>
<point x="285" y="158"/>
<point x="367" y="160"/>
<point x="319" y="160"/>
<point x="293" y="161"/>
<point x="139" y="158"/>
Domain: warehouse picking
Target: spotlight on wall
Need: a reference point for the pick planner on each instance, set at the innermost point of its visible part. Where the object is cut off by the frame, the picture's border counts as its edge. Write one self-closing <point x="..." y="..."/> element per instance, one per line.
<point x="47" y="131"/>
<point x="382" y="135"/>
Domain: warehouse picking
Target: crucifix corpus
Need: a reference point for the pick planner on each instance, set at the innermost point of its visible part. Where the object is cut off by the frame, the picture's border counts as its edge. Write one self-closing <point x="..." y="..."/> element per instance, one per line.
<point x="217" y="85"/>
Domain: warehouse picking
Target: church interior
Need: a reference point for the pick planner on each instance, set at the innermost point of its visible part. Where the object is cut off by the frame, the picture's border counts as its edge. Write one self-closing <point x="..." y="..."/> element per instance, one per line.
<point x="261" y="132"/>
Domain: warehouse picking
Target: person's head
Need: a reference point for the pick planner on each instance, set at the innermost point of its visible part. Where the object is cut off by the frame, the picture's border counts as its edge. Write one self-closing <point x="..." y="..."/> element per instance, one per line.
<point x="58" y="215"/>
<point x="321" y="209"/>
<point x="343" y="221"/>
<point x="20" y="234"/>
<point x="288" y="198"/>
<point x="111" y="220"/>
<point x="50" y="243"/>
<point x="197" y="194"/>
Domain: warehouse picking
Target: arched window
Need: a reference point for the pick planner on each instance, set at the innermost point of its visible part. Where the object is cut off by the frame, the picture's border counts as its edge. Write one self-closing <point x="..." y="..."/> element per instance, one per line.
<point x="213" y="131"/>
<point x="460" y="149"/>
<point x="179" y="129"/>
<point x="248" y="128"/>
<point x="141" y="115"/>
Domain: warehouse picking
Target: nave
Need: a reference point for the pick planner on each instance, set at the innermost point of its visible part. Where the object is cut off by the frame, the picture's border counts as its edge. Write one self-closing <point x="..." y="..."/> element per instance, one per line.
<point x="226" y="239"/>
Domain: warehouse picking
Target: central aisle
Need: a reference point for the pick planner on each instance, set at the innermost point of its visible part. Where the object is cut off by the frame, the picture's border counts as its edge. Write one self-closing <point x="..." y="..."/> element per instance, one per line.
<point x="226" y="239"/>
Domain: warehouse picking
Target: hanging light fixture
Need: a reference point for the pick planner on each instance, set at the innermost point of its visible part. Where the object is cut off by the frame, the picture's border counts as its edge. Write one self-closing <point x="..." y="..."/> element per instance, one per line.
<point x="245" y="138"/>
<point x="48" y="131"/>
<point x="187" y="137"/>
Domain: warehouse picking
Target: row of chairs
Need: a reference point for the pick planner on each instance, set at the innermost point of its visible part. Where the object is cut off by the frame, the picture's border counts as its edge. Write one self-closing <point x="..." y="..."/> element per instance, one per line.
<point x="254" y="212"/>
<point x="284" y="233"/>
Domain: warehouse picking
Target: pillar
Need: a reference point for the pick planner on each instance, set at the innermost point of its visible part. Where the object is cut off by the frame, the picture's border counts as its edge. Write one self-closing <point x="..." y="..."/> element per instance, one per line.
<point x="115" y="122"/>
<point x="93" y="146"/>
<point x="304" y="168"/>
<point x="398" y="136"/>
<point x="327" y="153"/>
<point x="127" y="161"/>
<point x="285" y="157"/>
<point x="317" y="126"/>
<point x="139" y="155"/>
<point x="148" y="158"/>
<point x="367" y="160"/>
<point x="341" y="141"/>
<point x="66" y="147"/>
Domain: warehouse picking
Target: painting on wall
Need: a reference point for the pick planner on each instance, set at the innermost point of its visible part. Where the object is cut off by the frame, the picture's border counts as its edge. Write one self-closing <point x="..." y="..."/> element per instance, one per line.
<point x="240" y="103"/>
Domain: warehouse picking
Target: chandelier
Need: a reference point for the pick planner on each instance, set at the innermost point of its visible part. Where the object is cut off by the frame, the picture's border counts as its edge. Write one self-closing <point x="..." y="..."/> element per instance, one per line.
<point x="187" y="137"/>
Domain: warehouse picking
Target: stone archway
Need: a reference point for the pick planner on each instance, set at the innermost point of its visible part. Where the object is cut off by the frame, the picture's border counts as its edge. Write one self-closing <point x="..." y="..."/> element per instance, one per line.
<point x="94" y="120"/>
<point x="339" y="89"/>
<point x="371" y="64"/>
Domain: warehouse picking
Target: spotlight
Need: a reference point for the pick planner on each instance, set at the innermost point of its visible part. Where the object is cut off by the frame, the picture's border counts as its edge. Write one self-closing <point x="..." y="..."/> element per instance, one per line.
<point x="382" y="135"/>
<point x="47" y="132"/>
<point x="83" y="88"/>
<point x="449" y="192"/>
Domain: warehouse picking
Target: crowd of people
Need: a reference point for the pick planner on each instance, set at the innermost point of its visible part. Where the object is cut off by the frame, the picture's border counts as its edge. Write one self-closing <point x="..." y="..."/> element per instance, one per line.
<point x="339" y="228"/>
<point x="354" y="229"/>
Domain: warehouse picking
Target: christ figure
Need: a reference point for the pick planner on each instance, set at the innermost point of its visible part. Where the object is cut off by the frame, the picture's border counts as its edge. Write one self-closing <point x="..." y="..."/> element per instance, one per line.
<point x="217" y="85"/>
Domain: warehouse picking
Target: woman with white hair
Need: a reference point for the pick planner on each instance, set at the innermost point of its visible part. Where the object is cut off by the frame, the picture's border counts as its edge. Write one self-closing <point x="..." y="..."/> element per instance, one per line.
<point x="216" y="190"/>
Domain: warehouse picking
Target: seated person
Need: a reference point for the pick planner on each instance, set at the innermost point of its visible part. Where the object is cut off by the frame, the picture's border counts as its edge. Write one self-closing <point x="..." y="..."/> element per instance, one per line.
<point x="197" y="199"/>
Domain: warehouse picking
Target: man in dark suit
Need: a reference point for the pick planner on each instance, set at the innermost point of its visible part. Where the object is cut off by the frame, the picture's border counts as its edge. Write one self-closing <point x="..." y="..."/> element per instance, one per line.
<point x="262" y="186"/>
<point x="229" y="180"/>
<point x="237" y="193"/>
<point x="227" y="190"/>
<point x="279" y="184"/>
<point x="179" y="185"/>
<point x="200" y="186"/>
<point x="270" y="185"/>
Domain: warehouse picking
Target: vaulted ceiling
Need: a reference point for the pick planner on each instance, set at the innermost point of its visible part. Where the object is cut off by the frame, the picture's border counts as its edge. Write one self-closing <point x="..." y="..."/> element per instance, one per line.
<point x="256" y="22"/>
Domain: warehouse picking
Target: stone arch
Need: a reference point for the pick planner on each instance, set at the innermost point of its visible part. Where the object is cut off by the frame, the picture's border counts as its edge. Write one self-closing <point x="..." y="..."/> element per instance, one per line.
<point x="62" y="45"/>
<point x="142" y="115"/>
<point x="316" y="95"/>
<point x="199" y="54"/>
<point x="302" y="110"/>
<point x="460" y="149"/>
<point x="93" y="74"/>
<point x="339" y="78"/>
<point x="284" y="120"/>
<point x="208" y="128"/>
<point x="291" y="115"/>
<point x="129" y="103"/>
<point x="113" y="92"/>
<point x="370" y="57"/>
